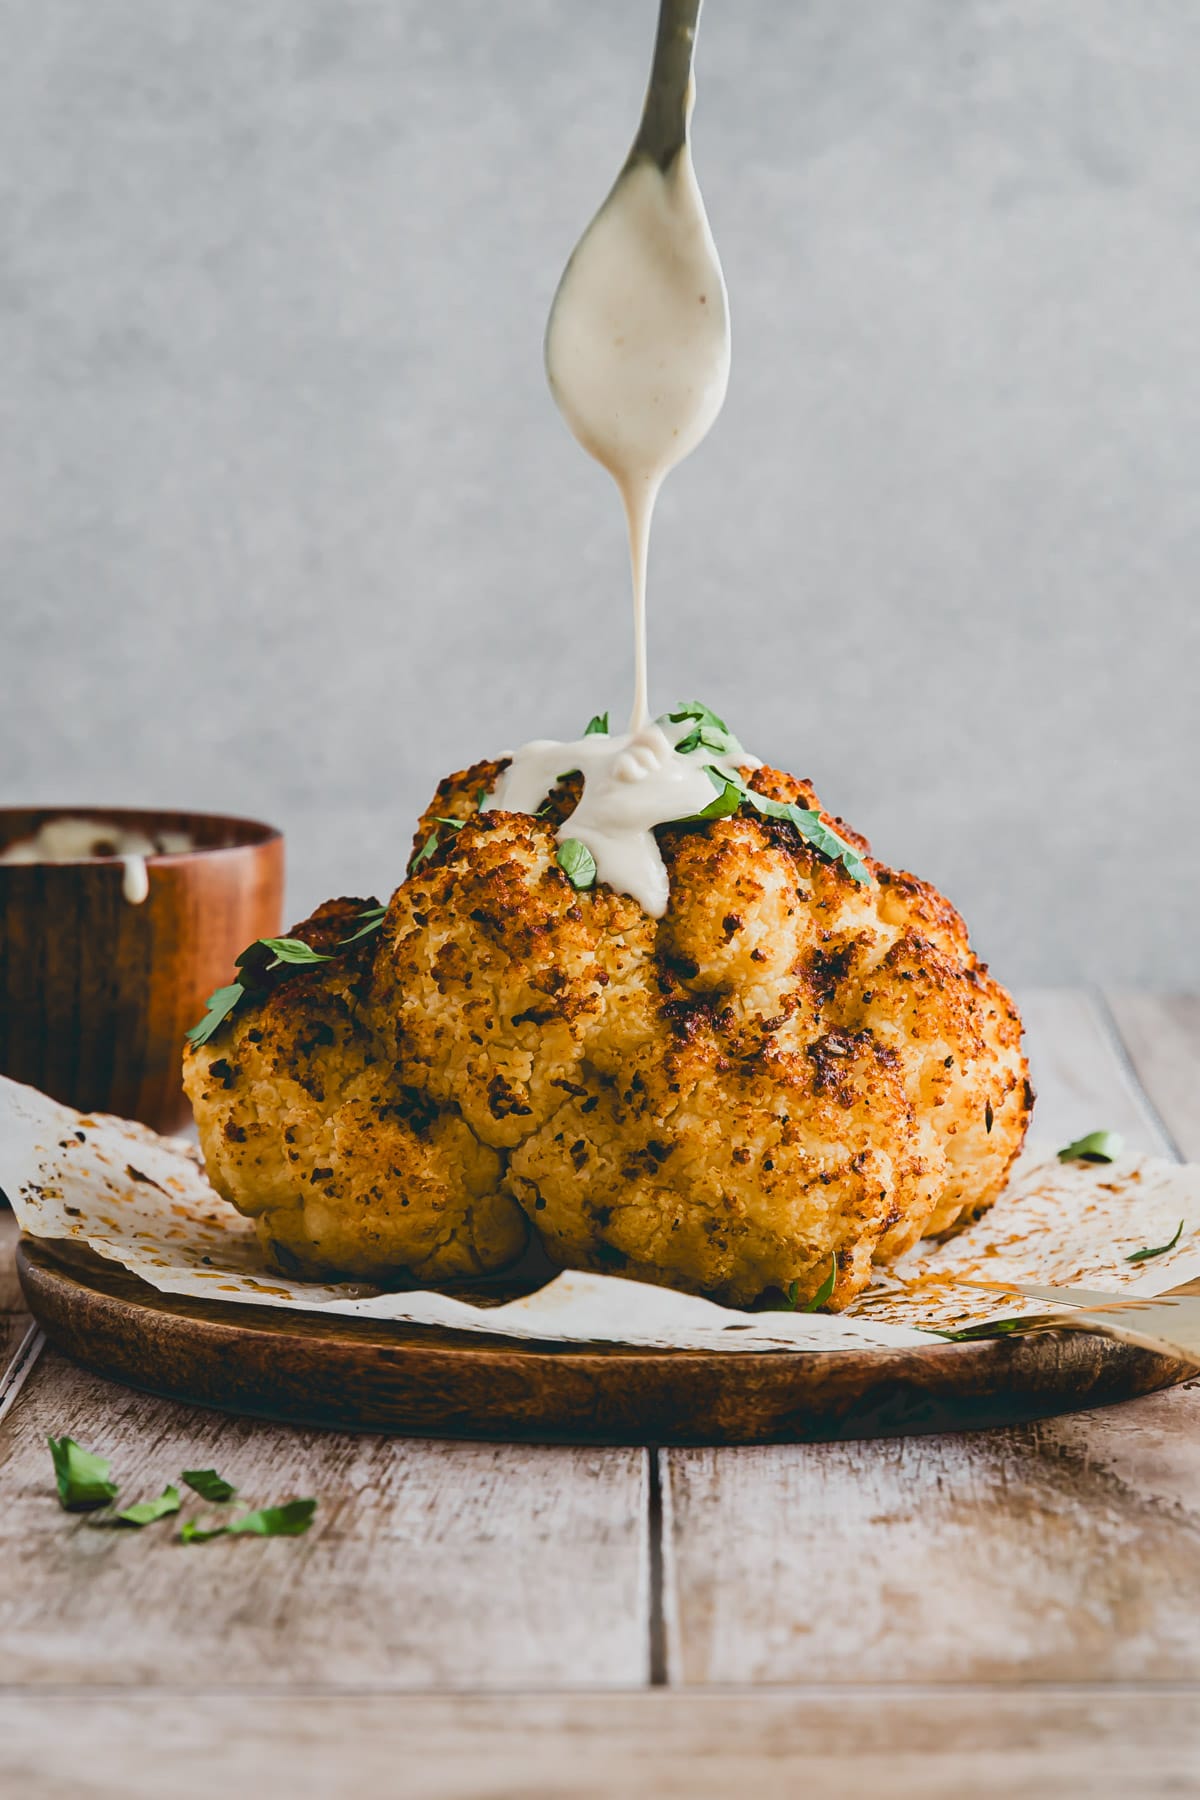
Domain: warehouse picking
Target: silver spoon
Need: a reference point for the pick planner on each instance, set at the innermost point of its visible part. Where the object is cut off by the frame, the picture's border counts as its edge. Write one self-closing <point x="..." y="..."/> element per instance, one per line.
<point x="663" y="130"/>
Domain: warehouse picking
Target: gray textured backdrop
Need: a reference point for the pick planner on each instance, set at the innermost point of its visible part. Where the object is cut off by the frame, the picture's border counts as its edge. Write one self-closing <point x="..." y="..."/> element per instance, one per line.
<point x="288" y="523"/>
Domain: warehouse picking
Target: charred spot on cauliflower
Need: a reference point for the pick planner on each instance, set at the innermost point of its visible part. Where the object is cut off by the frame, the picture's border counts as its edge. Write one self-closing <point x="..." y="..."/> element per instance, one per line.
<point x="791" y="1071"/>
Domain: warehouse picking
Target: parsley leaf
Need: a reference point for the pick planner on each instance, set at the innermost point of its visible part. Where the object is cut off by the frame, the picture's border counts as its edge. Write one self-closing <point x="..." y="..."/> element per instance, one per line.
<point x="1159" y="1250"/>
<point x="83" y="1478"/>
<point x="577" y="863"/>
<point x="699" y="714"/>
<point x="1096" y="1147"/>
<point x="822" y="837"/>
<point x="454" y="824"/>
<point x="727" y="801"/>
<point x="290" y="1520"/>
<point x="598" y="726"/>
<point x="825" y="1291"/>
<point x="209" y="1485"/>
<point x="424" y="853"/>
<point x="220" y="1004"/>
<point x="704" y="737"/>
<point x="144" y="1512"/>
<point x="707" y="730"/>
<point x="288" y="950"/>
<point x="374" y="917"/>
<point x="989" y="1329"/>
<point x="809" y="824"/>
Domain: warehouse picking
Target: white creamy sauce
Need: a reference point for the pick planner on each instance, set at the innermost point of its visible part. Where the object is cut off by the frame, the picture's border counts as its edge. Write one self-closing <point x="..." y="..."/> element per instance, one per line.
<point x="631" y="783"/>
<point x="68" y="840"/>
<point x="135" y="883"/>
<point x="637" y="348"/>
<point x="637" y="355"/>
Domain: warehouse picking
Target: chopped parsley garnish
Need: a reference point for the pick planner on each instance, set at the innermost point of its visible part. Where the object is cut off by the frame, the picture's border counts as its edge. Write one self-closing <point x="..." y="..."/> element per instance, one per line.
<point x="791" y="1294"/>
<point x="697" y="713"/>
<point x="83" y="1479"/>
<point x="1140" y="1256"/>
<point x="707" y="730"/>
<point x="288" y="950"/>
<point x="209" y="1485"/>
<point x="577" y="863"/>
<point x="726" y="803"/>
<point x="700" y="737"/>
<point x="597" y="726"/>
<point x="989" y="1329"/>
<point x="1096" y="1147"/>
<point x="374" y="916"/>
<point x="424" y="853"/>
<point x="289" y="1520"/>
<point x="84" y="1482"/>
<point x="145" y="1512"/>
<point x="431" y="842"/>
<point x="809" y="824"/>
<point x="825" y="1292"/>
<point x="220" y="1004"/>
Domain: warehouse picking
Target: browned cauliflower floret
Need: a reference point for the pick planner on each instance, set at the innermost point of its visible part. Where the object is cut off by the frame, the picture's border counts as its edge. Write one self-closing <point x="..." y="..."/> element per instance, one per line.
<point x="306" y="1129"/>
<point x="788" y="1077"/>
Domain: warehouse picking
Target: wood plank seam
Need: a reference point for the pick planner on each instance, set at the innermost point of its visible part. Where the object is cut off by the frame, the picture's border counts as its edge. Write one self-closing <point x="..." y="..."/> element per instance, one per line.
<point x="657" y="1660"/>
<point x="1125" y="1056"/>
<point x="20" y="1368"/>
<point x="1036" y="1687"/>
<point x="1070" y="1546"/>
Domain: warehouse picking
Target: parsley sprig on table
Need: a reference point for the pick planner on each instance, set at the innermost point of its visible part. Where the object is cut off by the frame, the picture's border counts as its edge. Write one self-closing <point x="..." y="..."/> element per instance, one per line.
<point x="84" y="1482"/>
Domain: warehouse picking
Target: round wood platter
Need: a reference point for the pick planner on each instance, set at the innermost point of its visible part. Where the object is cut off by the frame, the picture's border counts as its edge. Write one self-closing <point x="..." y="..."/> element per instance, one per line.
<point x="365" y="1375"/>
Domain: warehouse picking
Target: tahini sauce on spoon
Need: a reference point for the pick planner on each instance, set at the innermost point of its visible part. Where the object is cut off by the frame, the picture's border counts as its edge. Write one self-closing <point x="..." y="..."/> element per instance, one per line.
<point x="637" y="356"/>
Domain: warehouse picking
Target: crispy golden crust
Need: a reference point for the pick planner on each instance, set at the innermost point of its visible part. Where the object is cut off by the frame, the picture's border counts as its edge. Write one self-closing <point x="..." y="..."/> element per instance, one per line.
<point x="306" y="1130"/>
<point x="789" y="1073"/>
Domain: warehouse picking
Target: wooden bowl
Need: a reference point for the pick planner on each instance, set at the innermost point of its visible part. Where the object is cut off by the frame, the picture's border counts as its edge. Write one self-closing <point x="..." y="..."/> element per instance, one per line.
<point x="96" y="993"/>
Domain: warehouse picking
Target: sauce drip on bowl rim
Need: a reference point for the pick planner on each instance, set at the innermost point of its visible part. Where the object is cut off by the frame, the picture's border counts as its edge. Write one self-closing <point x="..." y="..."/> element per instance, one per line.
<point x="637" y="356"/>
<point x="66" y="839"/>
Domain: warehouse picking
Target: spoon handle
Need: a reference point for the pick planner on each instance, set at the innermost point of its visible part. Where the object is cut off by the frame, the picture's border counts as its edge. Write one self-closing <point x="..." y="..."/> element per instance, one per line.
<point x="663" y="130"/>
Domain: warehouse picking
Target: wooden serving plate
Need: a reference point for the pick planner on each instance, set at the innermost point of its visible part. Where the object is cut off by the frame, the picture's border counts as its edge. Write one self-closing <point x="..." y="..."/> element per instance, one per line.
<point x="372" y="1376"/>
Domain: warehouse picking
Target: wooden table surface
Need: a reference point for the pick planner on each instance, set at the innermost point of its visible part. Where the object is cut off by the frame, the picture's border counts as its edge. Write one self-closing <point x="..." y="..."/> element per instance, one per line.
<point x="1000" y="1614"/>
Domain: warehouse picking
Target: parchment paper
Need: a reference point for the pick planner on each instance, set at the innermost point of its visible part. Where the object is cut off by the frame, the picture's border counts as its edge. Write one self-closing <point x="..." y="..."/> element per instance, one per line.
<point x="143" y="1201"/>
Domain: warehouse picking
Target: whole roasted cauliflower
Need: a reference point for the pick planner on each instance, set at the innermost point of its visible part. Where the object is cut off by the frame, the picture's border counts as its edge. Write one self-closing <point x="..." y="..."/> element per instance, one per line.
<point x="790" y="1076"/>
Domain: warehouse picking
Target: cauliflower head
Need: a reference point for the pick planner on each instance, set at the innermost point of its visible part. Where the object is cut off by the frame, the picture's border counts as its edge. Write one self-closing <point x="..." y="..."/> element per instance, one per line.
<point x="789" y="1077"/>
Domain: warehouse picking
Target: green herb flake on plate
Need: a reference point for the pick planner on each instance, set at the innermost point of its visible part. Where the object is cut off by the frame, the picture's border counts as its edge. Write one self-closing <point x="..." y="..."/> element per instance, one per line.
<point x="1096" y="1147"/>
<point x="1148" y="1255"/>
